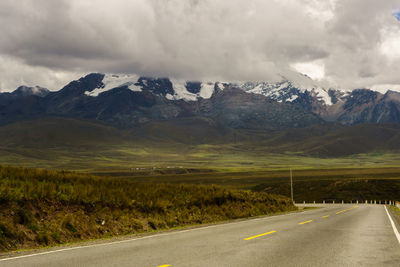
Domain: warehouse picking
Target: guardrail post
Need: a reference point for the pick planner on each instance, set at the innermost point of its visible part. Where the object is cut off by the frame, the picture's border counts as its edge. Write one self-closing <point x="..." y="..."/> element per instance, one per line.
<point x="357" y="201"/>
<point x="375" y="202"/>
<point x="323" y="201"/>
<point x="314" y="201"/>
<point x="304" y="202"/>
<point x="366" y="201"/>
<point x="333" y="202"/>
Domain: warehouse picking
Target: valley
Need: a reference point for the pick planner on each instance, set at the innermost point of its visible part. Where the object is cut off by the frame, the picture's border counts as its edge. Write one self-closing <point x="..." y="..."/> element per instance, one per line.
<point x="93" y="161"/>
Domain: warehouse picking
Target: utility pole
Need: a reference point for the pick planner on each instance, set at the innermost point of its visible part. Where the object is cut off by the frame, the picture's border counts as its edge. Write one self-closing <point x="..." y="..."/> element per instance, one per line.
<point x="291" y="184"/>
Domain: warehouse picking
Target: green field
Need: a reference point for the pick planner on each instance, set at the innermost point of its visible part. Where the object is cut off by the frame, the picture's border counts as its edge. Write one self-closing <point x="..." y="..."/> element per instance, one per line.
<point x="62" y="143"/>
<point x="217" y="157"/>
<point x="348" y="184"/>
<point x="193" y="151"/>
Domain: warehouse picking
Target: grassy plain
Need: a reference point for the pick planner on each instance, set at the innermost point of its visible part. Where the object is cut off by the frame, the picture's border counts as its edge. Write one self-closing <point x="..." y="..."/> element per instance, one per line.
<point x="63" y="143"/>
<point x="348" y="184"/>
<point x="218" y="157"/>
<point x="328" y="161"/>
<point x="43" y="207"/>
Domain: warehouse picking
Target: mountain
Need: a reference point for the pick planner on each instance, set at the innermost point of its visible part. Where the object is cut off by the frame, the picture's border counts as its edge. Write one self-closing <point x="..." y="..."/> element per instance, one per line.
<point x="28" y="91"/>
<point x="345" y="107"/>
<point x="127" y="101"/>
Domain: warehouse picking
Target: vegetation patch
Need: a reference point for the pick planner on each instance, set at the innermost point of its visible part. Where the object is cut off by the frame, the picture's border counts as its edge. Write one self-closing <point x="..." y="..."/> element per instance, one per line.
<point x="45" y="207"/>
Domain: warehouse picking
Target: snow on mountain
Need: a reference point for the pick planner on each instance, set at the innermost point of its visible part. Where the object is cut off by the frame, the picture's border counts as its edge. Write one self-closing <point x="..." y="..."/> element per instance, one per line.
<point x="111" y="81"/>
<point x="206" y="90"/>
<point x="181" y="91"/>
<point x="289" y="90"/>
<point x="138" y="84"/>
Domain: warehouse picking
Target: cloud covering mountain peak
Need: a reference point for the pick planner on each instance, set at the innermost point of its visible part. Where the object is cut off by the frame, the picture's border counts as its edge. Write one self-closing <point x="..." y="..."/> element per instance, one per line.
<point x="51" y="42"/>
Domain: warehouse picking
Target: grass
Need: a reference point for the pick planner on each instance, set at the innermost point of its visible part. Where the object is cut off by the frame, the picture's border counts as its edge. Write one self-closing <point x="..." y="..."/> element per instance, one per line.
<point x="219" y="157"/>
<point x="62" y="143"/>
<point x="349" y="184"/>
<point x="166" y="175"/>
<point x="45" y="207"/>
<point x="396" y="211"/>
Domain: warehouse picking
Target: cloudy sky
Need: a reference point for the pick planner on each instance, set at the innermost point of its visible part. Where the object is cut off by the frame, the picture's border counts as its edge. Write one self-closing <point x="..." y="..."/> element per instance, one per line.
<point x="349" y="43"/>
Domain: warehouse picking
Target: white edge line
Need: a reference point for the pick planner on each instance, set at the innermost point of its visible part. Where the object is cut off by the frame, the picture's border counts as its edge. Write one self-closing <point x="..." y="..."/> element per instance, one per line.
<point x="393" y="226"/>
<point x="140" y="238"/>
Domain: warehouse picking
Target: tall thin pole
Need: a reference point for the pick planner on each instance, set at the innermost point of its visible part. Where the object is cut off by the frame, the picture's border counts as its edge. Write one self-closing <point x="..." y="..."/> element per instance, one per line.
<point x="291" y="184"/>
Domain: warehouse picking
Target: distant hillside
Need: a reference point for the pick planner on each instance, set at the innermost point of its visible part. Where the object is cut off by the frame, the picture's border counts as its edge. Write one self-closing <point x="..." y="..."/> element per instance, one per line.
<point x="80" y="144"/>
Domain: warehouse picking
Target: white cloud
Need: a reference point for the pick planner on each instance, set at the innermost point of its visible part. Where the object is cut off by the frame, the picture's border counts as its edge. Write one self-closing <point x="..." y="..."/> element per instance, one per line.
<point x="315" y="70"/>
<point x="390" y="45"/>
<point x="14" y="72"/>
<point x="48" y="42"/>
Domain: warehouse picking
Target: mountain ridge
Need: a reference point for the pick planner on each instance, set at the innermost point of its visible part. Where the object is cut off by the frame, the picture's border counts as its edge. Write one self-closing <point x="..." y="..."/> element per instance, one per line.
<point x="130" y="100"/>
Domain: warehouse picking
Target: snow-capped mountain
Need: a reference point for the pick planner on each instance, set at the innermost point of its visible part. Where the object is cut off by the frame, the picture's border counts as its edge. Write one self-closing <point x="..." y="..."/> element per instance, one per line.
<point x="172" y="89"/>
<point x="290" y="90"/>
<point x="131" y="100"/>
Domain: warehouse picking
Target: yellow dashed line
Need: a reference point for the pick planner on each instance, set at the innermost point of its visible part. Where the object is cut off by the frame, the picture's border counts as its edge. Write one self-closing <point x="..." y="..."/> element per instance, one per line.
<point x="346" y="210"/>
<point x="251" y="237"/>
<point x="165" y="265"/>
<point x="326" y="216"/>
<point x="306" y="222"/>
<point x="341" y="211"/>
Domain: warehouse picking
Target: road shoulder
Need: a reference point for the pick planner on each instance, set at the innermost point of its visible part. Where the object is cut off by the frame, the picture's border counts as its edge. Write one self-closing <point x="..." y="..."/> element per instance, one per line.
<point x="395" y="214"/>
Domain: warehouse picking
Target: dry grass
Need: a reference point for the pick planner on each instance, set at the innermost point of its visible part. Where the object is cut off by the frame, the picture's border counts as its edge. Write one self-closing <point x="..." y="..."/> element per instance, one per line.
<point x="42" y="207"/>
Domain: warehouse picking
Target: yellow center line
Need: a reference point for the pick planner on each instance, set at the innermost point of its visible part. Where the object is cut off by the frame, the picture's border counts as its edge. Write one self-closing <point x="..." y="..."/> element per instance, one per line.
<point x="346" y="210"/>
<point x="251" y="237"/>
<point x="341" y="211"/>
<point x="326" y="216"/>
<point x="306" y="222"/>
<point x="165" y="265"/>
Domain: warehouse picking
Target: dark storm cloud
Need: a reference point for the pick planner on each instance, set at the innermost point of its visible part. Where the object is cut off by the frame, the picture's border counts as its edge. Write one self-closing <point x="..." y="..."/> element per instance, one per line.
<point x="49" y="42"/>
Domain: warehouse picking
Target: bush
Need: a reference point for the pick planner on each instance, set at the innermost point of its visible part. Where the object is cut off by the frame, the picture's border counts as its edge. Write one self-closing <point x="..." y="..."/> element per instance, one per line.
<point x="23" y="216"/>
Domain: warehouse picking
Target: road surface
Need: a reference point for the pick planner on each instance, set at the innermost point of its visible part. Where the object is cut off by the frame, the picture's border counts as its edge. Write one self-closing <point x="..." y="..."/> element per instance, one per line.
<point x="335" y="235"/>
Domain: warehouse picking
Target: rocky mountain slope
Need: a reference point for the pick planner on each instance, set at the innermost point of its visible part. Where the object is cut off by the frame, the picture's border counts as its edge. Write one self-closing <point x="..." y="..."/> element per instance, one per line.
<point x="130" y="100"/>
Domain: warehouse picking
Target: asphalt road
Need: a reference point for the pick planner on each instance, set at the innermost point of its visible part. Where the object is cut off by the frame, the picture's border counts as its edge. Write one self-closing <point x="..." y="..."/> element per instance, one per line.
<point x="336" y="235"/>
